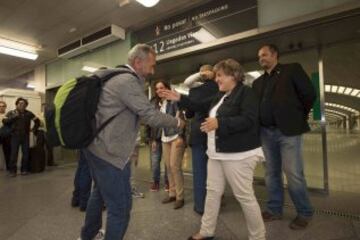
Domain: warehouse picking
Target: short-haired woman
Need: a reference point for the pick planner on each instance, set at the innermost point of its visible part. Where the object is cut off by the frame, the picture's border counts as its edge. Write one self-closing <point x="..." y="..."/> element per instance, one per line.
<point x="233" y="147"/>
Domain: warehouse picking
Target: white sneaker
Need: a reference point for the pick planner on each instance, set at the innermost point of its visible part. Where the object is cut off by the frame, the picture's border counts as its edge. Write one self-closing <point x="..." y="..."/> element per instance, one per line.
<point x="136" y="194"/>
<point x="99" y="236"/>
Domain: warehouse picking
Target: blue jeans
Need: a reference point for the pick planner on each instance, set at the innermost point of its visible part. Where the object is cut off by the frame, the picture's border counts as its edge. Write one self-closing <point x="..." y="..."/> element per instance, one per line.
<point x="82" y="182"/>
<point x="284" y="153"/>
<point x="112" y="186"/>
<point x="16" y="142"/>
<point x="199" y="167"/>
<point x="155" y="157"/>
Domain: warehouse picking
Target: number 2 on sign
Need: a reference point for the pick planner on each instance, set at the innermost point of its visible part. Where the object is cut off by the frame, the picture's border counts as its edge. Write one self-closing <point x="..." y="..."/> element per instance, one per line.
<point x="162" y="47"/>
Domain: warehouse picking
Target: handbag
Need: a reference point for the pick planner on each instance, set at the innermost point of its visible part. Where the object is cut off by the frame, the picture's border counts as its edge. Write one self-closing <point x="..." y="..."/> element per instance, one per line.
<point x="5" y="131"/>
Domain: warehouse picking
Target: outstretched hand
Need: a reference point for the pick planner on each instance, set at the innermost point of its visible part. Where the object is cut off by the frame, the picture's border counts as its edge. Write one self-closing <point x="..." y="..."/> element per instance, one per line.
<point x="170" y="95"/>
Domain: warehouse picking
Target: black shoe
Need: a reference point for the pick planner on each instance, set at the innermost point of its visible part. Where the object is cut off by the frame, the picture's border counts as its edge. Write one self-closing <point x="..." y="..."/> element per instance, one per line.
<point x="300" y="222"/>
<point x="205" y="238"/>
<point x="269" y="217"/>
<point x="168" y="200"/>
<point x="199" y="212"/>
<point x="82" y="209"/>
<point x="74" y="202"/>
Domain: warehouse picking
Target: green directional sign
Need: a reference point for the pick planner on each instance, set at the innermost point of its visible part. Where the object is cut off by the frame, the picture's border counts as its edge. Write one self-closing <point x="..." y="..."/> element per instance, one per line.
<point x="316" y="108"/>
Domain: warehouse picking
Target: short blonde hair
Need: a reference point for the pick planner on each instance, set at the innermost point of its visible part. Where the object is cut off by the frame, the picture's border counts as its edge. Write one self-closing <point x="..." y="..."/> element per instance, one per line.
<point x="231" y="67"/>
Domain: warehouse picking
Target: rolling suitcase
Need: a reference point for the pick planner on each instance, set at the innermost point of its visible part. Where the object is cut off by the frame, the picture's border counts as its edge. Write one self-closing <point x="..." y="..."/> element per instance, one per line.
<point x="37" y="155"/>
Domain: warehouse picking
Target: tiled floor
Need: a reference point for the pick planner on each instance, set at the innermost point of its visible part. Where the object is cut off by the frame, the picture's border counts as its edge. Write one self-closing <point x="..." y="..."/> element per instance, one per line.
<point x="37" y="207"/>
<point x="343" y="160"/>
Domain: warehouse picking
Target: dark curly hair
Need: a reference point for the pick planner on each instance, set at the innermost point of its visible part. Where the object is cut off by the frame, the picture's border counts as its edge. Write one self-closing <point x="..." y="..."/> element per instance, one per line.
<point x="21" y="99"/>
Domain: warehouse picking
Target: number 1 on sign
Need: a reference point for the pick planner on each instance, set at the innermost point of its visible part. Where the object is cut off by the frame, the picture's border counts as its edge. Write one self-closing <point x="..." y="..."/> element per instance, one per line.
<point x="162" y="47"/>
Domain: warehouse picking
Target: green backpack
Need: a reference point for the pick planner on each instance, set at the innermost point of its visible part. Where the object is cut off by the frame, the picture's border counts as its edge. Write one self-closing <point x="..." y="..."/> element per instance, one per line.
<point x="71" y="121"/>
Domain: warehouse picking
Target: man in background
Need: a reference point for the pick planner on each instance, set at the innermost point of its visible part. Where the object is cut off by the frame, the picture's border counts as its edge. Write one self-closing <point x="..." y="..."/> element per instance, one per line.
<point x="20" y="121"/>
<point x="286" y="97"/>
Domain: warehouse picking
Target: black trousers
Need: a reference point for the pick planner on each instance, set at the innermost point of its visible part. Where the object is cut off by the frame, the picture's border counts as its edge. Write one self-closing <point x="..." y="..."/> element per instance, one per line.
<point x="16" y="143"/>
<point x="6" y="146"/>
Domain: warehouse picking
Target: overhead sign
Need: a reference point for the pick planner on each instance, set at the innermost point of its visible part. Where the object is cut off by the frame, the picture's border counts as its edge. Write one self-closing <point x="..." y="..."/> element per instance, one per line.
<point x="206" y="23"/>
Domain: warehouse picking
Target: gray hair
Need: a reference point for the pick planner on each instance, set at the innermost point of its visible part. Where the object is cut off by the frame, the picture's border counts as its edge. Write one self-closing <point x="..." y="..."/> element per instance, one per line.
<point x="141" y="51"/>
<point x="231" y="68"/>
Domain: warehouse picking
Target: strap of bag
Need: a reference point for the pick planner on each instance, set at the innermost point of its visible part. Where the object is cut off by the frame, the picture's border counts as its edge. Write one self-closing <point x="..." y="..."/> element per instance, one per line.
<point x="104" y="79"/>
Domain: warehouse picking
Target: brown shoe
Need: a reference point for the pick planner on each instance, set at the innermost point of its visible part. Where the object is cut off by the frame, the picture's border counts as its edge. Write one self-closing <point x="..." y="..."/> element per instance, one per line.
<point x="300" y="222"/>
<point x="179" y="204"/>
<point x="269" y="217"/>
<point x="168" y="200"/>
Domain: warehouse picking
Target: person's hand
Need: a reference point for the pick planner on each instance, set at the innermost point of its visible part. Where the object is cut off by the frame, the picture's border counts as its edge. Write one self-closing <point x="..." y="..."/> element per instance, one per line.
<point x="207" y="74"/>
<point x="209" y="125"/>
<point x="16" y="114"/>
<point x="170" y="95"/>
<point x="153" y="146"/>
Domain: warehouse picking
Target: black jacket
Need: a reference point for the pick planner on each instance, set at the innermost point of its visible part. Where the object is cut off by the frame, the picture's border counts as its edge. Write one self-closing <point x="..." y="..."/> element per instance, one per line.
<point x="237" y="118"/>
<point x="292" y="98"/>
<point x="20" y="122"/>
<point x="208" y="89"/>
<point x="171" y="109"/>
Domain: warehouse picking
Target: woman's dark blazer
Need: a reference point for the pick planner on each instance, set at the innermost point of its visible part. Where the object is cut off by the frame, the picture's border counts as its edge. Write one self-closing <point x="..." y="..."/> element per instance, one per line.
<point x="237" y="117"/>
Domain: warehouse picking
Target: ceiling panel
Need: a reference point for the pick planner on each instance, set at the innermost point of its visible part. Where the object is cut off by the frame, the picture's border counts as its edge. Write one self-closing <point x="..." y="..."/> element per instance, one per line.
<point x="47" y="23"/>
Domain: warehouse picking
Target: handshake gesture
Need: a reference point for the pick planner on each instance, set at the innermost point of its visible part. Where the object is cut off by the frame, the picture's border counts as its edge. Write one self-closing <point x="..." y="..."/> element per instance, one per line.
<point x="173" y="96"/>
<point x="170" y="95"/>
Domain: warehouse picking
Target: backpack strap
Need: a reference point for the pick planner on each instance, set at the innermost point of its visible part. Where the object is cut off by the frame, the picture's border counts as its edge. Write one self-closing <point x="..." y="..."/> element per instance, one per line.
<point x="115" y="73"/>
<point x="105" y="79"/>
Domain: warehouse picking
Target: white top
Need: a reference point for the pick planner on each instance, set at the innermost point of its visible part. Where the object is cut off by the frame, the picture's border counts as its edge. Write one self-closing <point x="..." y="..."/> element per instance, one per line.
<point x="2" y="116"/>
<point x="164" y="138"/>
<point x="211" y="151"/>
<point x="2" y="158"/>
<point x="192" y="81"/>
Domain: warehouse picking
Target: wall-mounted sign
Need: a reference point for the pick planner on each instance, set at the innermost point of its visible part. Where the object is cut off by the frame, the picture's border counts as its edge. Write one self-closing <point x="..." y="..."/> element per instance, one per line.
<point x="206" y="23"/>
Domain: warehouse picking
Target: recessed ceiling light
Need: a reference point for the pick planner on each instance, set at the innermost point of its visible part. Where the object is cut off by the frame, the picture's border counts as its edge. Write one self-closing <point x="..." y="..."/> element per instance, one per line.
<point x="148" y="3"/>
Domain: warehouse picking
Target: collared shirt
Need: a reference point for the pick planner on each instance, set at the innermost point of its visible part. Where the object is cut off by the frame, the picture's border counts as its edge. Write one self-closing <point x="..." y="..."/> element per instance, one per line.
<point x="132" y="69"/>
<point x="266" y="110"/>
